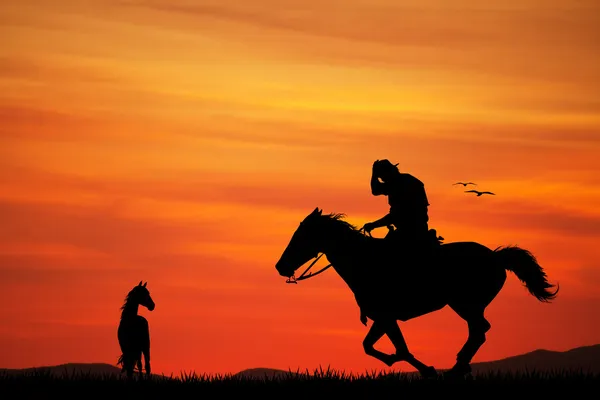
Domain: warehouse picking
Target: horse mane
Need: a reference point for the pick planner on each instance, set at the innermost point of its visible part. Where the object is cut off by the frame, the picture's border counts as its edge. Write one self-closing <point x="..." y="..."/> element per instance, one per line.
<point x="339" y="220"/>
<point x="126" y="300"/>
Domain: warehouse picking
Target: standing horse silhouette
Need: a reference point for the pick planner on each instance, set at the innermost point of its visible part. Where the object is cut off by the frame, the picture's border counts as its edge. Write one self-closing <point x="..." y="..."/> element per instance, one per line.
<point x="466" y="276"/>
<point x="133" y="332"/>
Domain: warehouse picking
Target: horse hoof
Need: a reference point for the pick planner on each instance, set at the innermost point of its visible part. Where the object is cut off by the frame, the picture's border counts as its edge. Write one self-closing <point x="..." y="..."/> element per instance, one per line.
<point x="429" y="373"/>
<point x="458" y="371"/>
<point x="390" y="360"/>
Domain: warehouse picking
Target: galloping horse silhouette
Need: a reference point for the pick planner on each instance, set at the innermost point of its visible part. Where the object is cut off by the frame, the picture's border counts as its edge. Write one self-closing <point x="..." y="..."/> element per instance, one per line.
<point x="466" y="276"/>
<point x="133" y="332"/>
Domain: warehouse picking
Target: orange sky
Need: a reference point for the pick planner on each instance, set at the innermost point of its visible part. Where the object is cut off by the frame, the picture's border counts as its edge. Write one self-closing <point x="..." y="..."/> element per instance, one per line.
<point x="182" y="141"/>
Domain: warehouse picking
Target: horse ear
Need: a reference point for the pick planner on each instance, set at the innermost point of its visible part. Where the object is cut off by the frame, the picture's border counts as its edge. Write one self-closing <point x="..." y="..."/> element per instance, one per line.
<point x="140" y="284"/>
<point x="145" y="284"/>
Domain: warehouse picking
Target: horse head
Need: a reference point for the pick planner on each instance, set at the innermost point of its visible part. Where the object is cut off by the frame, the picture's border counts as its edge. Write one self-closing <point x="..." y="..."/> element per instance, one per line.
<point x="140" y="295"/>
<point x="303" y="246"/>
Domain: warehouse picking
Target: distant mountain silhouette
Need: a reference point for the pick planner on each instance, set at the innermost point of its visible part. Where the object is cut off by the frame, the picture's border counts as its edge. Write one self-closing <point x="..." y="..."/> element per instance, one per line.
<point x="586" y="359"/>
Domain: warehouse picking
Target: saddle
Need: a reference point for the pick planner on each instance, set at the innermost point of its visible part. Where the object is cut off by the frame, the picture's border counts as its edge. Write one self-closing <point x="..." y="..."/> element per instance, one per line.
<point x="431" y="238"/>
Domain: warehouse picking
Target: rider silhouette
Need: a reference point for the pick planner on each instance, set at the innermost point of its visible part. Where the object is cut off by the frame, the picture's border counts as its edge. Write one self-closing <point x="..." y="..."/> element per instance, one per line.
<point x="408" y="217"/>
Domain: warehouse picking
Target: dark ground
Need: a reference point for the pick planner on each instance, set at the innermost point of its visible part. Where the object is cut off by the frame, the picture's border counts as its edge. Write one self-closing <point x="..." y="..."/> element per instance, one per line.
<point x="320" y="384"/>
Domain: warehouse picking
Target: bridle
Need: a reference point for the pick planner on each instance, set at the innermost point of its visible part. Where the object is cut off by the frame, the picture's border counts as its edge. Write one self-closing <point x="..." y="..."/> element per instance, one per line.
<point x="293" y="279"/>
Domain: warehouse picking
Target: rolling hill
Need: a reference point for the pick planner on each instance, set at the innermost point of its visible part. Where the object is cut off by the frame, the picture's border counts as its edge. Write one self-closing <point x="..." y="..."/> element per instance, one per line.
<point x="586" y="359"/>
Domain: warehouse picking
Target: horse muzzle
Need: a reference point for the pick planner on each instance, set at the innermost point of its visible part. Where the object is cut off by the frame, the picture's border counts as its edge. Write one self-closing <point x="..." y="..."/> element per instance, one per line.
<point x="283" y="271"/>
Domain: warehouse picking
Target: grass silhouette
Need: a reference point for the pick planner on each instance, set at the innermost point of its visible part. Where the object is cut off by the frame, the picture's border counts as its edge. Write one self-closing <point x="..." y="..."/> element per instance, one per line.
<point x="320" y="382"/>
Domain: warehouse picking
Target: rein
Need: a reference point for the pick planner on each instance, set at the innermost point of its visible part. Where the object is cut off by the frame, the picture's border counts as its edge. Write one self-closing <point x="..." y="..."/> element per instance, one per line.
<point x="293" y="279"/>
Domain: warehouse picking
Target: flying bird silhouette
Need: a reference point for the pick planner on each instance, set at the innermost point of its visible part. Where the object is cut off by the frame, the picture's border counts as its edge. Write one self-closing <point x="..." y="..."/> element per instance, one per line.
<point x="464" y="183"/>
<point x="478" y="192"/>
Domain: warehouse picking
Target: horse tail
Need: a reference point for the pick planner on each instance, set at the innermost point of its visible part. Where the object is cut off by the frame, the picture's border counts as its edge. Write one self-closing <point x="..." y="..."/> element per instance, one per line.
<point x="525" y="266"/>
<point x="120" y="361"/>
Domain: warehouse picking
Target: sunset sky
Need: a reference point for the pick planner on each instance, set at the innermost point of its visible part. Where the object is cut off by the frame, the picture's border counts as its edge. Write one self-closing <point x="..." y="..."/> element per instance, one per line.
<point x="180" y="142"/>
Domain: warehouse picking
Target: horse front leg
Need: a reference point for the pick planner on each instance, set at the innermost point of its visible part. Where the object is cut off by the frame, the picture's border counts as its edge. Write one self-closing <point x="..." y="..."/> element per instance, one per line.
<point x="375" y="333"/>
<point x="402" y="354"/>
<point x="147" y="361"/>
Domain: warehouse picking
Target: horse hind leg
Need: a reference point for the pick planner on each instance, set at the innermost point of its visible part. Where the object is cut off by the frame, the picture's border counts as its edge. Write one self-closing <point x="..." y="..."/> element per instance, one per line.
<point x="128" y="365"/>
<point x="478" y="326"/>
<point x="124" y="361"/>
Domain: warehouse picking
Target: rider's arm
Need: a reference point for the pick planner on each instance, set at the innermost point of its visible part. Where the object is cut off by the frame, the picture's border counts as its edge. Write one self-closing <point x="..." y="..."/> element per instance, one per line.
<point x="384" y="221"/>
